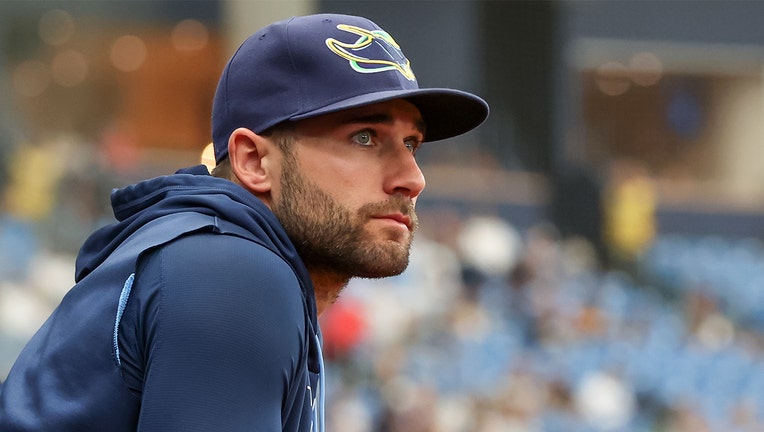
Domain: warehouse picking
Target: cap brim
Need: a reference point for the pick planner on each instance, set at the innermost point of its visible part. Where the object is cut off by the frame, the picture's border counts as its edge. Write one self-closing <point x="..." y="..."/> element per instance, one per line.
<point x="446" y="112"/>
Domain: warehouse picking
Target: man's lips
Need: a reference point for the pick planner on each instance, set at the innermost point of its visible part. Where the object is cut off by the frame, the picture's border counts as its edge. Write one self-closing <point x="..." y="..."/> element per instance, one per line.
<point x="397" y="217"/>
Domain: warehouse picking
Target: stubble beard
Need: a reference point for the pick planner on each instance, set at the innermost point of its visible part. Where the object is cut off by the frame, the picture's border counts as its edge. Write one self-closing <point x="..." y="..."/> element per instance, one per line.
<point x="333" y="240"/>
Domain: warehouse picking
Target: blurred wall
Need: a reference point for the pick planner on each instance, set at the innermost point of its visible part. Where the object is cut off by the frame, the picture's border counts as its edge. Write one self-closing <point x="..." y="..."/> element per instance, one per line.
<point x="242" y="17"/>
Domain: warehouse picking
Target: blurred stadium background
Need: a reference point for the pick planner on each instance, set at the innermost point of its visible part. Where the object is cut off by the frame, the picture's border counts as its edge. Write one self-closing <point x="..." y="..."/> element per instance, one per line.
<point x="591" y="259"/>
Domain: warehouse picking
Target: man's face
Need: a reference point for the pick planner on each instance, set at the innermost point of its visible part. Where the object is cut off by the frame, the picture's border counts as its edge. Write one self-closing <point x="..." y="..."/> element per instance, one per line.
<point x="348" y="189"/>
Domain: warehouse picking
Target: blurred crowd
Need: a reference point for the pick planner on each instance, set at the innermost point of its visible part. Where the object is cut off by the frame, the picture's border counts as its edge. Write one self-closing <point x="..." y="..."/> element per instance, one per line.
<point x="492" y="328"/>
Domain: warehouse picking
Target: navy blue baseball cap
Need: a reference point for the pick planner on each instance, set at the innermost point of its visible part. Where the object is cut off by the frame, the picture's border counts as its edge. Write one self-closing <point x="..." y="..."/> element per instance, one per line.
<point x="318" y="64"/>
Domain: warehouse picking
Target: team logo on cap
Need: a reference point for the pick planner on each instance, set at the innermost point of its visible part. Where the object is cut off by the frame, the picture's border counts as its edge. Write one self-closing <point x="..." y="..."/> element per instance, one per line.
<point x="374" y="51"/>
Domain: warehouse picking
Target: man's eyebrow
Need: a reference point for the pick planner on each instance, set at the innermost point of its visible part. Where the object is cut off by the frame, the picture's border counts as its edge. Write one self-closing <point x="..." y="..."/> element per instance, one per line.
<point x="378" y="118"/>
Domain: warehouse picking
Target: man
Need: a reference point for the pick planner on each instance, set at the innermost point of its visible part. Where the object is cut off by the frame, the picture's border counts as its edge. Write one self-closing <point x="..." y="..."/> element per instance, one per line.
<point x="198" y="309"/>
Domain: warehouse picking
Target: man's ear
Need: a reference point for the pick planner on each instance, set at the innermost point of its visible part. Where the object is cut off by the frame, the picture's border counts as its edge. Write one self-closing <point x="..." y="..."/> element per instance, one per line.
<point x="250" y="155"/>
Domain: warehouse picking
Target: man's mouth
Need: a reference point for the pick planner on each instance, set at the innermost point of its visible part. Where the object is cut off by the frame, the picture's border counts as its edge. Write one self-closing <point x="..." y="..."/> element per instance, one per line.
<point x="396" y="217"/>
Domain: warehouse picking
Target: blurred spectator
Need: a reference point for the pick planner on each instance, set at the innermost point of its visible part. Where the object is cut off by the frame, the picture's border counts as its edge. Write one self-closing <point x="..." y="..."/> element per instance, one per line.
<point x="629" y="205"/>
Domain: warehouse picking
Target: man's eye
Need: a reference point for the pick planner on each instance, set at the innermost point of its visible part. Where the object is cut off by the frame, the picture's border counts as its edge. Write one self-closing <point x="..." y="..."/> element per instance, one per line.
<point x="363" y="138"/>
<point x="412" y="145"/>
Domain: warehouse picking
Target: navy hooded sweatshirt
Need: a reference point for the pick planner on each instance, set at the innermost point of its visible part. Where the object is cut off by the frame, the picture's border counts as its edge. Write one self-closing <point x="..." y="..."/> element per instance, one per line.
<point x="193" y="312"/>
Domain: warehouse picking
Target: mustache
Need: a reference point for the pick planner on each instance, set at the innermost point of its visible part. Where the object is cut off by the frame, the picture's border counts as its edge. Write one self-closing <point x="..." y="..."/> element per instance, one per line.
<point x="393" y="205"/>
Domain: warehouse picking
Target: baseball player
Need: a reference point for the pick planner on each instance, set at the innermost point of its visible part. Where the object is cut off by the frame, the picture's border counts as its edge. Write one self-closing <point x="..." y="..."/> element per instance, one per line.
<point x="197" y="309"/>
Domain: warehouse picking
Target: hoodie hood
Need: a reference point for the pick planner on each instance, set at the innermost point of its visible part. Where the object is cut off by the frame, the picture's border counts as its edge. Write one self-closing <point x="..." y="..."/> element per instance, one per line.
<point x="188" y="190"/>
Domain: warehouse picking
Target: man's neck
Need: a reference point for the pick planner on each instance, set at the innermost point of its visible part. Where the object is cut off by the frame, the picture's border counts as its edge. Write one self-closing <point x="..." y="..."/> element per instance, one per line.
<point x="327" y="286"/>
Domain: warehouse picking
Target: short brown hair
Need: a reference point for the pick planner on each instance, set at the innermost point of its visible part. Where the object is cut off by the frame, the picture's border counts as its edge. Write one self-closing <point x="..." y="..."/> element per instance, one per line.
<point x="282" y="133"/>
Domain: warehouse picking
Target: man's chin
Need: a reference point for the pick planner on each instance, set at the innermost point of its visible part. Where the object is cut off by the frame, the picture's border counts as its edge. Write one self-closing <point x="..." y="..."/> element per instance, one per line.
<point x="391" y="259"/>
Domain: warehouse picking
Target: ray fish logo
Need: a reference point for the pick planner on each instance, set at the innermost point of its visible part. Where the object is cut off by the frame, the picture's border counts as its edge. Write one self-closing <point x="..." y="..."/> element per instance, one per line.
<point x="373" y="51"/>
